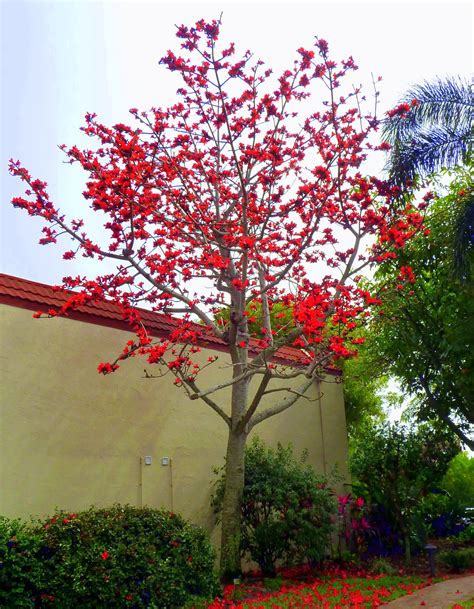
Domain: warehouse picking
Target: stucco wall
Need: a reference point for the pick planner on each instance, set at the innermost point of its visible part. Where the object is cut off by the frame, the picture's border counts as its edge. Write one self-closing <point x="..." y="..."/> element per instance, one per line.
<point x="71" y="437"/>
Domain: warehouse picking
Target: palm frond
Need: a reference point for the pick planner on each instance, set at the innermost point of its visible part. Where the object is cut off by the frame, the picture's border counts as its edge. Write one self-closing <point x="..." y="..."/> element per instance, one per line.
<point x="428" y="151"/>
<point x="436" y="131"/>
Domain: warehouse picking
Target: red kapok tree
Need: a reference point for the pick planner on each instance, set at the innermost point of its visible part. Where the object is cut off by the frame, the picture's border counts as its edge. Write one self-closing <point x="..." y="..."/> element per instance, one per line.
<point x="228" y="197"/>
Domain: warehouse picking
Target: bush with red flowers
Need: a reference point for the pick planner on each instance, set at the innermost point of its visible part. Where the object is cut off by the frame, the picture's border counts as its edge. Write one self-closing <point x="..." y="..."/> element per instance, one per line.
<point x="112" y="558"/>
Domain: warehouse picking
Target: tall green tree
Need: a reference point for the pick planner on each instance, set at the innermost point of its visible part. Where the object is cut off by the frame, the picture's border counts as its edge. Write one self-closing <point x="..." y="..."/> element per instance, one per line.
<point x="424" y="332"/>
<point x="362" y="387"/>
<point x="431" y="129"/>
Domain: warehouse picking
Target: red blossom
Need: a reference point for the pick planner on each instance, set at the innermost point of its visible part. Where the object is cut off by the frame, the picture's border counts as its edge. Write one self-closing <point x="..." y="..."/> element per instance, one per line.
<point x="106" y="368"/>
<point x="400" y="111"/>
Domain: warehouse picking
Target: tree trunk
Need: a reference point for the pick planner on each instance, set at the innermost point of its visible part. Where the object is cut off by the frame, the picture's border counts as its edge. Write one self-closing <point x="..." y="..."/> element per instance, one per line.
<point x="458" y="431"/>
<point x="407" y="544"/>
<point x="402" y="520"/>
<point x="231" y="509"/>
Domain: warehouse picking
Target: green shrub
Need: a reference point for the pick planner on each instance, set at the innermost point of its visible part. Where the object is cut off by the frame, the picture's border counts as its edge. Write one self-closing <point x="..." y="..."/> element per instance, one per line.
<point x="467" y="535"/>
<point x="287" y="510"/>
<point x="381" y="565"/>
<point x="448" y="508"/>
<point x="458" y="560"/>
<point x="397" y="466"/>
<point x="109" y="558"/>
<point x="273" y="583"/>
<point x="23" y="568"/>
<point x="459" y="480"/>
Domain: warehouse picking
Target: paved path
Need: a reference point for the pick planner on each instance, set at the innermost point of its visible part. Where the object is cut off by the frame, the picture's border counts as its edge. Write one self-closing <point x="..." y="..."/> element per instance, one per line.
<point x="438" y="596"/>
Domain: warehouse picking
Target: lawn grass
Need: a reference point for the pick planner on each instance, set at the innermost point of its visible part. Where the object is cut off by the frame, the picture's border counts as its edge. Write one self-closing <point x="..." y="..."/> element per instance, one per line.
<point x="469" y="604"/>
<point x="322" y="593"/>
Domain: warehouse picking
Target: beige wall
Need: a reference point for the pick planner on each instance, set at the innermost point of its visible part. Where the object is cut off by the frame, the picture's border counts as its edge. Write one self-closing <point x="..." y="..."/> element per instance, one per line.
<point x="71" y="437"/>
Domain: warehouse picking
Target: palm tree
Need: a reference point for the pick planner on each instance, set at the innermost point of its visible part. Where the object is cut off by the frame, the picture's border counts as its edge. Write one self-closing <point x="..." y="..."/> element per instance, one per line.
<point x="430" y="129"/>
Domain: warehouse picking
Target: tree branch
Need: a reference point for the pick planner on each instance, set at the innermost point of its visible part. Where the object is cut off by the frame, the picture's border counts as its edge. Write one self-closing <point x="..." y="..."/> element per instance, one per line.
<point x="281" y="406"/>
<point x="248" y="373"/>
<point x="178" y="296"/>
<point x="207" y="400"/>
<point x="256" y="400"/>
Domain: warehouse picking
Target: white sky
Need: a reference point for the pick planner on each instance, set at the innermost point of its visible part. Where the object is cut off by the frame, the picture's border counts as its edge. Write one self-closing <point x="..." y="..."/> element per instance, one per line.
<point x="62" y="59"/>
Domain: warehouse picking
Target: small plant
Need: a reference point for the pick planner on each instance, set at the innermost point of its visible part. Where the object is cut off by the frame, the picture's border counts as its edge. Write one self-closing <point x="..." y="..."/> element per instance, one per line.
<point x="458" y="560"/>
<point x="353" y="526"/>
<point x="346" y="557"/>
<point x="381" y="565"/>
<point x="287" y="510"/>
<point x="273" y="583"/>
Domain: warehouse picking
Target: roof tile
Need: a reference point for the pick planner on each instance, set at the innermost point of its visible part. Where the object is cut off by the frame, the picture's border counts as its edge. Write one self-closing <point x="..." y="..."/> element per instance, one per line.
<point x="24" y="291"/>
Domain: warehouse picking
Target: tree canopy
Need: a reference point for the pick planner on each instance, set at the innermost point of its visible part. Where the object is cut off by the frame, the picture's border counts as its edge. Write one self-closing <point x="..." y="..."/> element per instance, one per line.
<point x="424" y="332"/>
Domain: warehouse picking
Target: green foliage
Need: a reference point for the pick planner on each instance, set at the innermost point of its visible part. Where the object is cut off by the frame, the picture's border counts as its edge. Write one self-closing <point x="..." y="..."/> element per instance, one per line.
<point x="467" y="535"/>
<point x="458" y="560"/>
<point x="459" y="480"/>
<point x="445" y="509"/>
<point x="23" y="568"/>
<point x="362" y="392"/>
<point x="381" y="565"/>
<point x="438" y="507"/>
<point x="110" y="558"/>
<point x="424" y="332"/>
<point x="463" y="604"/>
<point x="398" y="466"/>
<point x="287" y="510"/>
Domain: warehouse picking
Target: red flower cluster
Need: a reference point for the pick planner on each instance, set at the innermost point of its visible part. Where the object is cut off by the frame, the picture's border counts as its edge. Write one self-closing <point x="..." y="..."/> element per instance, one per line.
<point x="234" y="189"/>
<point x="401" y="110"/>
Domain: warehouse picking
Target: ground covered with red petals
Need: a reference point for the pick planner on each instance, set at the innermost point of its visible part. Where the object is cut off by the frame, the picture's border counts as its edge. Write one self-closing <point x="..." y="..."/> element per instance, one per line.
<point x="330" y="591"/>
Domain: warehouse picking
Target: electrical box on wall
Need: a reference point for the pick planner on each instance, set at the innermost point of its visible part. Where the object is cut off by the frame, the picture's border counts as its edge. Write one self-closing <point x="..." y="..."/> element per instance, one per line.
<point x="148" y="460"/>
<point x="165" y="460"/>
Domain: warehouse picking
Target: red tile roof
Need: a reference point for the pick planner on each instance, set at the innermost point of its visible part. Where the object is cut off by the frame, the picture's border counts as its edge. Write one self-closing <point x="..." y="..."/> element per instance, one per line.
<point x="36" y="296"/>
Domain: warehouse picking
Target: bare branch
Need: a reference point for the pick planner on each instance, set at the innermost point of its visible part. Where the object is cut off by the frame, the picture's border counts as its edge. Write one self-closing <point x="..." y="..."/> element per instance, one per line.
<point x="281" y="406"/>
<point x="267" y="324"/>
<point x="179" y="296"/>
<point x="247" y="374"/>
<point x="208" y="401"/>
<point x="256" y="400"/>
<point x="290" y="390"/>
